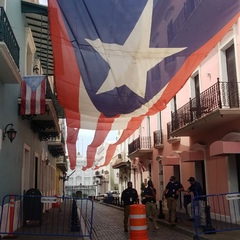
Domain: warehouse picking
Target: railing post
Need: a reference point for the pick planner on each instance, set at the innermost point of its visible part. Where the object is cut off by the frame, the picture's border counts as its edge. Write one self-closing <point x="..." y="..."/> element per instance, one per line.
<point x="191" y="112"/>
<point x="219" y="94"/>
<point x="1" y="24"/>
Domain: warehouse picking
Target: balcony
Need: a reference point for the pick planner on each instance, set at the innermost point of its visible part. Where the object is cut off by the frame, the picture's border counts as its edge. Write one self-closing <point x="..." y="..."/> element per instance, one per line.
<point x="140" y="147"/>
<point x="214" y="107"/>
<point x="9" y="52"/>
<point x="117" y="158"/>
<point x="158" y="139"/>
<point x="61" y="163"/>
<point x="56" y="146"/>
<point x="47" y="124"/>
<point x="119" y="161"/>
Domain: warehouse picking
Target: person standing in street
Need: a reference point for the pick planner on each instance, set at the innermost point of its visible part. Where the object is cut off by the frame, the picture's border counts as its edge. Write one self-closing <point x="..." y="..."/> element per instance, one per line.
<point x="151" y="210"/>
<point x="129" y="197"/>
<point x="196" y="191"/>
<point x="171" y="193"/>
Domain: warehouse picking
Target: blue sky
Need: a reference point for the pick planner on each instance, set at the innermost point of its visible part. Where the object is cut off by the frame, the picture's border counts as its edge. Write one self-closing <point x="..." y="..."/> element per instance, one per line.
<point x="85" y="137"/>
<point x="44" y="2"/>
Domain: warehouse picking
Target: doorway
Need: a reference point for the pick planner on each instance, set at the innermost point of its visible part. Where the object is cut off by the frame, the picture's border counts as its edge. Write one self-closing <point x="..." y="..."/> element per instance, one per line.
<point x="200" y="174"/>
<point x="234" y="172"/>
<point x="234" y="182"/>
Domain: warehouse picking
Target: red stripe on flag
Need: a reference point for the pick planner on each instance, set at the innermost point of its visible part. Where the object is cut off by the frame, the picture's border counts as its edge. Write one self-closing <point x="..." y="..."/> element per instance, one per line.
<point x="66" y="72"/>
<point x="72" y="135"/>
<point x="134" y="124"/>
<point x="23" y="98"/>
<point x="33" y="102"/>
<point x="103" y="128"/>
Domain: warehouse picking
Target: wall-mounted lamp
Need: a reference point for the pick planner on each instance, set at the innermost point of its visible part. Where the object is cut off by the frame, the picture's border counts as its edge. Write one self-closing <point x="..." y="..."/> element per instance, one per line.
<point x="11" y="133"/>
<point x="128" y="163"/>
<point x="64" y="177"/>
<point x="46" y="160"/>
<point x="36" y="69"/>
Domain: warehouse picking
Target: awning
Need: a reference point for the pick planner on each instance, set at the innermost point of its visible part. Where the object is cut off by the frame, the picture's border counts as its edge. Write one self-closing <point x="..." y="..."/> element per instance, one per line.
<point x="37" y="19"/>
<point x="191" y="156"/>
<point x="170" y="160"/>
<point x="224" y="148"/>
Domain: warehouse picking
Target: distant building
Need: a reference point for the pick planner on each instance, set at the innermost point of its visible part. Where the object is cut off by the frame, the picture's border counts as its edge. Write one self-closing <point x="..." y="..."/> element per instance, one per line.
<point x="79" y="180"/>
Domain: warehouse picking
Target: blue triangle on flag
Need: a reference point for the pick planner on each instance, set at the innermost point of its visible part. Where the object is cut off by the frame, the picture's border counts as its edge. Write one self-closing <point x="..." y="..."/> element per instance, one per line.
<point x="34" y="81"/>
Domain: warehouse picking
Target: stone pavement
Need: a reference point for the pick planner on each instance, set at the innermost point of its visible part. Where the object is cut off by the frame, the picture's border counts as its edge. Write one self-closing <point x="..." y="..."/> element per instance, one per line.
<point x="108" y="225"/>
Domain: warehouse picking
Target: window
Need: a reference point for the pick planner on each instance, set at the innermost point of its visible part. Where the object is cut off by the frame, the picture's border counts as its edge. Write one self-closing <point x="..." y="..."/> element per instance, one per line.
<point x="233" y="91"/>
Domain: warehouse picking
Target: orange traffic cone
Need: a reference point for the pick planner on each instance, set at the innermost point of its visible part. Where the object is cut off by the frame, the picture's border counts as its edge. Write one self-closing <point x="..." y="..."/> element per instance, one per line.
<point x="138" y="222"/>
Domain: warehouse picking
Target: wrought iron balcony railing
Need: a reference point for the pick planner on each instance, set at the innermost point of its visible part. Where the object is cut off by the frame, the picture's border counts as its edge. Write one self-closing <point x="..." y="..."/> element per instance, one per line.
<point x="58" y="139"/>
<point x="220" y="95"/>
<point x="139" y="143"/>
<point x="51" y="94"/>
<point x="7" y="36"/>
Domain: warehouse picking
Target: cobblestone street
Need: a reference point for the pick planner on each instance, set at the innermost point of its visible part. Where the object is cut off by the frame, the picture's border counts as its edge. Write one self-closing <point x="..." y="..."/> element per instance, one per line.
<point x="108" y="225"/>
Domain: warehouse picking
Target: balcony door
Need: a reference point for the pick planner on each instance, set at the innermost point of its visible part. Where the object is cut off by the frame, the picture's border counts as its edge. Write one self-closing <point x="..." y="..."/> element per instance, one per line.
<point x="196" y="104"/>
<point x="234" y="183"/>
<point x="233" y="94"/>
<point x="234" y="172"/>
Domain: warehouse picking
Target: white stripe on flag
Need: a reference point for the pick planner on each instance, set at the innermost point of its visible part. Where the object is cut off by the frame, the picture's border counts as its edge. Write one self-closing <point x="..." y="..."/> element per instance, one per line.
<point x="28" y="100"/>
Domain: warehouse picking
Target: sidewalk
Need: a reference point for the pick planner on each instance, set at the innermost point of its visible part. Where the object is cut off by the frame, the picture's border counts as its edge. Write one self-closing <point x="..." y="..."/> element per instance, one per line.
<point x="184" y="226"/>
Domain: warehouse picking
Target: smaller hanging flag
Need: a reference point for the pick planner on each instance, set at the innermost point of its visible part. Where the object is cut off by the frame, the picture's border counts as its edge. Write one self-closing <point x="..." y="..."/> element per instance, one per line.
<point x="33" y="95"/>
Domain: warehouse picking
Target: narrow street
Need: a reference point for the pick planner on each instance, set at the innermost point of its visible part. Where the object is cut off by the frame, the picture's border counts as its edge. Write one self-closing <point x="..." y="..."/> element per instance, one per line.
<point x="108" y="225"/>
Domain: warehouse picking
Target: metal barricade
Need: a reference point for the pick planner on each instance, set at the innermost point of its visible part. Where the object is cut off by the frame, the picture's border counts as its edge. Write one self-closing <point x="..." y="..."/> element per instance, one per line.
<point x="216" y="213"/>
<point x="69" y="217"/>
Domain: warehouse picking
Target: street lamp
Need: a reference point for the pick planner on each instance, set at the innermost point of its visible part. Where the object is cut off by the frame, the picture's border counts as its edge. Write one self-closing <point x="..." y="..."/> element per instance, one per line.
<point x="11" y="133"/>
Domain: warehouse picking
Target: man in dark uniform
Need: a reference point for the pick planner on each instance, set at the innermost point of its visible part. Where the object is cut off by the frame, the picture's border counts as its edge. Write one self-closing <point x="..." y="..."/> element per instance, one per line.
<point x="171" y="193"/>
<point x="129" y="197"/>
<point x="199" y="202"/>
<point x="150" y="197"/>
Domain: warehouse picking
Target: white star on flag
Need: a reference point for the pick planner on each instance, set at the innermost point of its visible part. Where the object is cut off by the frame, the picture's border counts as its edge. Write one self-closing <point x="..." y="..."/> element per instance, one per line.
<point x="129" y="63"/>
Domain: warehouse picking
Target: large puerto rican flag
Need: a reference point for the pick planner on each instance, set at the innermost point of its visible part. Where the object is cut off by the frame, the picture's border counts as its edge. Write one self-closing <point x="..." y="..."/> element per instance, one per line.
<point x="117" y="61"/>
